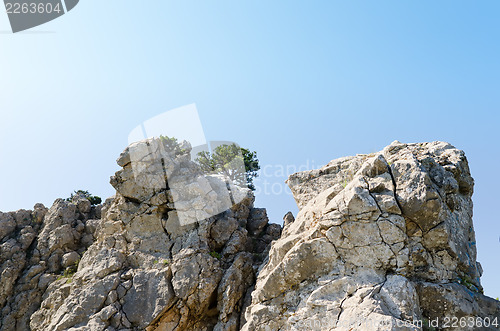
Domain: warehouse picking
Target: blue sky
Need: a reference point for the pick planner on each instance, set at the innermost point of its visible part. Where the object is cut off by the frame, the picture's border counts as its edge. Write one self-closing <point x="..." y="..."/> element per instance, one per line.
<point x="299" y="82"/>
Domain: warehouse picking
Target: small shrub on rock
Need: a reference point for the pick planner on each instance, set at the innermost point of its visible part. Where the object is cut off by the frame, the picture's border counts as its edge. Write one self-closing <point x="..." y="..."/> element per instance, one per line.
<point x="94" y="199"/>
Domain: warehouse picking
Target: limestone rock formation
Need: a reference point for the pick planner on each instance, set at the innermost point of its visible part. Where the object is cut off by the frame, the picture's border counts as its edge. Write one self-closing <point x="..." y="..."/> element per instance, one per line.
<point x="36" y="247"/>
<point x="150" y="268"/>
<point x="382" y="242"/>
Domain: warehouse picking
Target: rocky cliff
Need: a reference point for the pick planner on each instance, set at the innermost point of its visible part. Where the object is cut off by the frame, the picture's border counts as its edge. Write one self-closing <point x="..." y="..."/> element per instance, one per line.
<point x="381" y="242"/>
<point x="36" y="247"/>
<point x="151" y="262"/>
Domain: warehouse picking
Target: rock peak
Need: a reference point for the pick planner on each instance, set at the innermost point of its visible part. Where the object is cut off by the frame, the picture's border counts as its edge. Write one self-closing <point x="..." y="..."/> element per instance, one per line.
<point x="379" y="240"/>
<point x="382" y="241"/>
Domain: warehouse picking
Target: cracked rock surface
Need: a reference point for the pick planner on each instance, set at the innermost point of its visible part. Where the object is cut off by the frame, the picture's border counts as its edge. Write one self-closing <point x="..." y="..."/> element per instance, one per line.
<point x="148" y="268"/>
<point x="36" y="247"/>
<point x="381" y="242"/>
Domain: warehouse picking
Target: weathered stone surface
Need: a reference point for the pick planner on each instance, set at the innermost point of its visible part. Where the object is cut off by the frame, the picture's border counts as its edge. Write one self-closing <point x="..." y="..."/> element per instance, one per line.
<point x="288" y="219"/>
<point x="160" y="258"/>
<point x="70" y="259"/>
<point x="36" y="247"/>
<point x="381" y="242"/>
<point x="149" y="295"/>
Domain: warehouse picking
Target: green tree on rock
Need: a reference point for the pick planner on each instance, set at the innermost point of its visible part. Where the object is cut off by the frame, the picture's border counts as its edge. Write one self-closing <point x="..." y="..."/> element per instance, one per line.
<point x="228" y="160"/>
<point x="94" y="199"/>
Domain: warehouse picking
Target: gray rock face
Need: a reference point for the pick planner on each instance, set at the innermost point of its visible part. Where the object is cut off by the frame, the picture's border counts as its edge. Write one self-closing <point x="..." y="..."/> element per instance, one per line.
<point x="36" y="247"/>
<point x="150" y="268"/>
<point x="381" y="242"/>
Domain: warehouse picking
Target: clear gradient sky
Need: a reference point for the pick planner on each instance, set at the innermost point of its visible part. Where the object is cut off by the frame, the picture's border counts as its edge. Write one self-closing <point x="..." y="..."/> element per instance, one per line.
<point x="300" y="82"/>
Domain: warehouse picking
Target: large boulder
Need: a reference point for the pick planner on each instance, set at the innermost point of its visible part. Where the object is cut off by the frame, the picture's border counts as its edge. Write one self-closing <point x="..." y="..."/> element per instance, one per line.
<point x="174" y="250"/>
<point x="381" y="242"/>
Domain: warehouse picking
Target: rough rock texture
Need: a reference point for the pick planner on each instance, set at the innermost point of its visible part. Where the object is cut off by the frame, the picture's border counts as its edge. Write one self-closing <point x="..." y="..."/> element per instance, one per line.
<point x="36" y="246"/>
<point x="382" y="242"/>
<point x="151" y="269"/>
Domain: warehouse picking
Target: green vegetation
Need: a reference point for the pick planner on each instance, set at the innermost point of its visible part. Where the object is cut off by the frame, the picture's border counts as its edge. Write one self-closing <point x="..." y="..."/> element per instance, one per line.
<point x="69" y="272"/>
<point x="216" y="255"/>
<point x="467" y="282"/>
<point x="347" y="177"/>
<point x="172" y="145"/>
<point x="227" y="160"/>
<point x="164" y="262"/>
<point x="33" y="220"/>
<point x="94" y="199"/>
